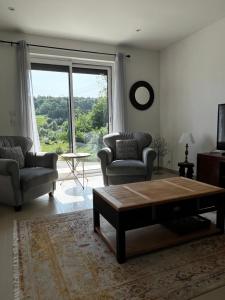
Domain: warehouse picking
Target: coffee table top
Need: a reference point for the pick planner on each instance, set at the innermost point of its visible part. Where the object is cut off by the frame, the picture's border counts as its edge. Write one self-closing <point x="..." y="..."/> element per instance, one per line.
<point x="140" y="194"/>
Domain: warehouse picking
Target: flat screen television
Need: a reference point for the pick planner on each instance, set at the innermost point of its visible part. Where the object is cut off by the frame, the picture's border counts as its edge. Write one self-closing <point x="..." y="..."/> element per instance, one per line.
<point x="221" y="127"/>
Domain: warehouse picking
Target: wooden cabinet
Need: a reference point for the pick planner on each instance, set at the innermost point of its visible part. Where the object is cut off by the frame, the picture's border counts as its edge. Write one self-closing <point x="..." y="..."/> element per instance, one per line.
<point x="211" y="168"/>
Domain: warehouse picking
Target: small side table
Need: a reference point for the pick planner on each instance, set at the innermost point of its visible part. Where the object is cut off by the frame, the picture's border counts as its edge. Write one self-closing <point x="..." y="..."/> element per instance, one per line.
<point x="182" y="169"/>
<point x="73" y="160"/>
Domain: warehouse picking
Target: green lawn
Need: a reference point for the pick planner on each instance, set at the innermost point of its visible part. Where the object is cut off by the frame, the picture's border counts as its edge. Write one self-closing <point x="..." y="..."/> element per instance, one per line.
<point x="54" y="147"/>
<point x="41" y="120"/>
<point x="65" y="148"/>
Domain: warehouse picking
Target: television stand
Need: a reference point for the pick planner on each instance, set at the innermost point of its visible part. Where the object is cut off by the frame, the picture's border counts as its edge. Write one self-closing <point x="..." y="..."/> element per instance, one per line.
<point x="211" y="168"/>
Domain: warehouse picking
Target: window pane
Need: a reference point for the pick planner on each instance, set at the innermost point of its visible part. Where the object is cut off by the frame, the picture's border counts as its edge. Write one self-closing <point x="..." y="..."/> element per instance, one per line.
<point x="91" y="112"/>
<point x="51" y="98"/>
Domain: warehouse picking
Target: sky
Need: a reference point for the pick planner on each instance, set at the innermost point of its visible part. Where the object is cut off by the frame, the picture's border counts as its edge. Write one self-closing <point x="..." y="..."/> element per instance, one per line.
<point x="56" y="84"/>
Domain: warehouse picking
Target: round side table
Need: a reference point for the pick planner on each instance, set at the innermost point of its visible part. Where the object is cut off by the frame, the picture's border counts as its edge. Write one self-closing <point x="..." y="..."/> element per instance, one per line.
<point x="73" y="160"/>
<point x="182" y="169"/>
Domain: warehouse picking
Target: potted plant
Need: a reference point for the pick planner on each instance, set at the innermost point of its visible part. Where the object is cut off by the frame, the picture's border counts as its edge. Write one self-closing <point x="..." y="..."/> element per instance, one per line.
<point x="159" y="144"/>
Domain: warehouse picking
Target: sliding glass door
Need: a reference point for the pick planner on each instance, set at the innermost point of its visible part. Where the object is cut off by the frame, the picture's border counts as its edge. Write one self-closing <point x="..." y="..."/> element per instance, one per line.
<point x="71" y="105"/>
<point x="51" y="100"/>
<point x="90" y="91"/>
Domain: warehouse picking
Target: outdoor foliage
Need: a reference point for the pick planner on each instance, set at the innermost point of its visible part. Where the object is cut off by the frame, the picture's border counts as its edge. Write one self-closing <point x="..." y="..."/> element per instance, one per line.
<point x="91" y="121"/>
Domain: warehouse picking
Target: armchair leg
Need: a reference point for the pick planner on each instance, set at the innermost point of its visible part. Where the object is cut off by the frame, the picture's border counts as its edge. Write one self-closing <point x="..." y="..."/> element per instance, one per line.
<point x="51" y="194"/>
<point x="18" y="208"/>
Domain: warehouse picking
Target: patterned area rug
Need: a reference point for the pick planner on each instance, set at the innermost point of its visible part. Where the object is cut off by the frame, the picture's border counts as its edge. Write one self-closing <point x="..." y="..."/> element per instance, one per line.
<point x="60" y="257"/>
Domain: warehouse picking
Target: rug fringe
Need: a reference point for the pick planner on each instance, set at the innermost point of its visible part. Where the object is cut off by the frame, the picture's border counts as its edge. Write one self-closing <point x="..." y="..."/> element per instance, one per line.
<point x="16" y="271"/>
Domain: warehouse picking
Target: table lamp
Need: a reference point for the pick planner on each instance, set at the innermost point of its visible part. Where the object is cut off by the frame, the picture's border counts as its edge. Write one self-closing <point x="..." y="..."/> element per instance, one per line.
<point x="186" y="138"/>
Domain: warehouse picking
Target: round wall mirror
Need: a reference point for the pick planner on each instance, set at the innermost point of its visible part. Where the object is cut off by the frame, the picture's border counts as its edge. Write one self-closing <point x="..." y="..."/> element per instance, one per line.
<point x="141" y="95"/>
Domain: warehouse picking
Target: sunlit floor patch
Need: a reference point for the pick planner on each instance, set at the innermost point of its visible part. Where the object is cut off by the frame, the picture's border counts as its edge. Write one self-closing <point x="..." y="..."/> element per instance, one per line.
<point x="69" y="191"/>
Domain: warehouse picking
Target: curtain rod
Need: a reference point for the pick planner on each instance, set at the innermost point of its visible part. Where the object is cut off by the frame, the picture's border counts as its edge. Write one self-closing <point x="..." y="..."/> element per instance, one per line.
<point x="60" y="48"/>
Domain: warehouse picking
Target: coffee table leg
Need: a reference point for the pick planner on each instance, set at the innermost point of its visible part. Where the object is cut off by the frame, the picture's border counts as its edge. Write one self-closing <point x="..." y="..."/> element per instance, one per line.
<point x="120" y="246"/>
<point x="220" y="215"/>
<point x="96" y="218"/>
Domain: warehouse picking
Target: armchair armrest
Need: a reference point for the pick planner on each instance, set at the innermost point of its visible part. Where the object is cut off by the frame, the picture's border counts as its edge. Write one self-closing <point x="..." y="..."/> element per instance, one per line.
<point x="148" y="157"/>
<point x="9" y="167"/>
<point x="105" y="156"/>
<point x="45" y="160"/>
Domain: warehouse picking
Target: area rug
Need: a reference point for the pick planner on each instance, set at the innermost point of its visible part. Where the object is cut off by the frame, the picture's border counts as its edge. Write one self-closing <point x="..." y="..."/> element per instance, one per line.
<point x="60" y="257"/>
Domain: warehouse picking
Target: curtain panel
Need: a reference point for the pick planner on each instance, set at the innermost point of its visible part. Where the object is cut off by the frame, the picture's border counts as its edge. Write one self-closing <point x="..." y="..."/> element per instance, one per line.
<point x="119" y="109"/>
<point x="28" y="124"/>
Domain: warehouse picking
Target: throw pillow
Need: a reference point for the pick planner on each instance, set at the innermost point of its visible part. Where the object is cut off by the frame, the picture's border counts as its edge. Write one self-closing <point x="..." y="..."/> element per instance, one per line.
<point x="126" y="149"/>
<point x="13" y="153"/>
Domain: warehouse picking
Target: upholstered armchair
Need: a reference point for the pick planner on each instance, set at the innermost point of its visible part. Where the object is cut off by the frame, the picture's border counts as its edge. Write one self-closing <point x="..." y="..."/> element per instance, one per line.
<point x="126" y="158"/>
<point x="24" y="175"/>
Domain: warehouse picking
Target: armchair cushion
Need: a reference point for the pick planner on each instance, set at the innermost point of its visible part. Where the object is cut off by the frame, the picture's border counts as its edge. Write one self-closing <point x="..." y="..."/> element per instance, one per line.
<point x="13" y="141"/>
<point x="45" y="160"/>
<point x="30" y="177"/>
<point x="126" y="167"/>
<point x="143" y="140"/>
<point x="14" y="153"/>
<point x="126" y="149"/>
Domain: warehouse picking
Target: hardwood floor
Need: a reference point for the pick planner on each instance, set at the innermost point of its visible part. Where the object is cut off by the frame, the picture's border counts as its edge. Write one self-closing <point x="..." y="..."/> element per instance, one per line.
<point x="68" y="197"/>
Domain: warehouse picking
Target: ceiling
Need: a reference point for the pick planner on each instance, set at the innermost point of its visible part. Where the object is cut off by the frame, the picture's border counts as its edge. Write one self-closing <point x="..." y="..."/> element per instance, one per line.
<point x="115" y="22"/>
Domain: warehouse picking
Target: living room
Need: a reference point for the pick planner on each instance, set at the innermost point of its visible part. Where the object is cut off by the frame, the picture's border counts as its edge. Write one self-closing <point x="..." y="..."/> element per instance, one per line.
<point x="177" y="48"/>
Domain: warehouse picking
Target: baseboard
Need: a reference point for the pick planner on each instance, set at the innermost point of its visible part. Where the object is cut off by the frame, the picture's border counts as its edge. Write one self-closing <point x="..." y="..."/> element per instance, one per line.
<point x="175" y="172"/>
<point x="166" y="170"/>
<point x="171" y="171"/>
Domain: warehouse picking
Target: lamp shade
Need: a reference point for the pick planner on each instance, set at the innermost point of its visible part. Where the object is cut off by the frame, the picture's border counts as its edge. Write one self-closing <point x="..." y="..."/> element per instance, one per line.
<point x="186" y="138"/>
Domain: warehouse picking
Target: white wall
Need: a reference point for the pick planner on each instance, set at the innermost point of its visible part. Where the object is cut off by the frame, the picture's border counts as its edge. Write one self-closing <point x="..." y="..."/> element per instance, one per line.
<point x="192" y="83"/>
<point x="143" y="65"/>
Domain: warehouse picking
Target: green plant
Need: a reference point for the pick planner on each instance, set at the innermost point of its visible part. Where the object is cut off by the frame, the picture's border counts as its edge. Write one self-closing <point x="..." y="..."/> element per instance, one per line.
<point x="159" y="144"/>
<point x="59" y="150"/>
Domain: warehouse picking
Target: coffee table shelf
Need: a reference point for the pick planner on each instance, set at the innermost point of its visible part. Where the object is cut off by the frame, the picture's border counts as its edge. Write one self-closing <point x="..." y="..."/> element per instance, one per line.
<point x="151" y="238"/>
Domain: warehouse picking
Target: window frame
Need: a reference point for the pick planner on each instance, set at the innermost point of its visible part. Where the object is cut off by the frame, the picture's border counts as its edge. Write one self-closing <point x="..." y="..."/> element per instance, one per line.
<point x="63" y="63"/>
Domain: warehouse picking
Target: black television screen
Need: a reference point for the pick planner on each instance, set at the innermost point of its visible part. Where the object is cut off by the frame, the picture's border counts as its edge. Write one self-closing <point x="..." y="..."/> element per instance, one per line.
<point x="221" y="127"/>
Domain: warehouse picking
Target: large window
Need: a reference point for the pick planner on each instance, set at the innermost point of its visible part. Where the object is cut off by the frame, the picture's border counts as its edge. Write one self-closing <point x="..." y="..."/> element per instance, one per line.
<point x="71" y="105"/>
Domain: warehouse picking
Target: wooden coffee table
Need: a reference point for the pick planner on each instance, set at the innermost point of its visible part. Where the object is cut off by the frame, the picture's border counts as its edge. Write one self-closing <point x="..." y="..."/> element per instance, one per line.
<point x="137" y="205"/>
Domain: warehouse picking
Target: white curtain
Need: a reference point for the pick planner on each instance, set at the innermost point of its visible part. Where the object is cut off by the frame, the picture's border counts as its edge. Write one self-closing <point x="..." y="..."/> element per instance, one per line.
<point x="119" y="100"/>
<point x="28" y="124"/>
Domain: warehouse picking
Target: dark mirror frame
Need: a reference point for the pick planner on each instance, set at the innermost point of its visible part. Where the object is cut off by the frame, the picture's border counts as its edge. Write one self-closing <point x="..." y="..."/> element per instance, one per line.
<point x="133" y="100"/>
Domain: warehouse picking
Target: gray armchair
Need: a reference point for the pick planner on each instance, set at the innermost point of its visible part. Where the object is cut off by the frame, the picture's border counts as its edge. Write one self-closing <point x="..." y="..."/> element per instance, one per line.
<point x="37" y="177"/>
<point x="119" y="171"/>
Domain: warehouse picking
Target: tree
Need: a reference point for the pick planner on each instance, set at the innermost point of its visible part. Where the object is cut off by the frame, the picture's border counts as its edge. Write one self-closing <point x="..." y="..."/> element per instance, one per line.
<point x="91" y="121"/>
<point x="99" y="115"/>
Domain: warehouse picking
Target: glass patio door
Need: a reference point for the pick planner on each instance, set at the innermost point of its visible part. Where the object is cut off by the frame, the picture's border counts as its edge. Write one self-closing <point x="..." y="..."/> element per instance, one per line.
<point x="72" y="111"/>
<point x="52" y="107"/>
<point x="90" y="94"/>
